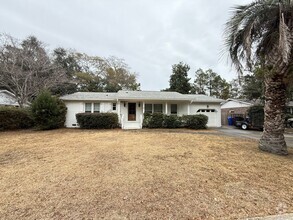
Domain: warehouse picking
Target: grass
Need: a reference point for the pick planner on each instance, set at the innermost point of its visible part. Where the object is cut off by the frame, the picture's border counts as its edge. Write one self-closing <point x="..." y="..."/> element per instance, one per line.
<point x="75" y="174"/>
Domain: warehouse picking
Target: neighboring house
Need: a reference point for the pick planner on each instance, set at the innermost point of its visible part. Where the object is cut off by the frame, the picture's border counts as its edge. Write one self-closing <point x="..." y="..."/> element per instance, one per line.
<point x="8" y="99"/>
<point x="235" y="107"/>
<point x="131" y="105"/>
<point x="232" y="107"/>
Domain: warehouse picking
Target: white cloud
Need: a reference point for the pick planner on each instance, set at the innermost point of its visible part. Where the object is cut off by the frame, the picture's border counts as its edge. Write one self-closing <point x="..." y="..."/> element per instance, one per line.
<point x="150" y="35"/>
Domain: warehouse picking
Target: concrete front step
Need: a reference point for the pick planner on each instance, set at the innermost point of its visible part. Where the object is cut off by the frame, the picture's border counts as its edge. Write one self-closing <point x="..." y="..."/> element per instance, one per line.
<point x="131" y="125"/>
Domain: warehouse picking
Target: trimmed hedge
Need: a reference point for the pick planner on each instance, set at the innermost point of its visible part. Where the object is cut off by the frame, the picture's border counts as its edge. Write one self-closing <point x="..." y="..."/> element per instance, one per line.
<point x="156" y="120"/>
<point x="97" y="120"/>
<point x="12" y="118"/>
<point x="172" y="121"/>
<point x="195" y="121"/>
<point x="159" y="120"/>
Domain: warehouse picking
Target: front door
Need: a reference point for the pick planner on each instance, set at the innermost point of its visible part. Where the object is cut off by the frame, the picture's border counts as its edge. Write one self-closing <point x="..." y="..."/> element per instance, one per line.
<point x="131" y="111"/>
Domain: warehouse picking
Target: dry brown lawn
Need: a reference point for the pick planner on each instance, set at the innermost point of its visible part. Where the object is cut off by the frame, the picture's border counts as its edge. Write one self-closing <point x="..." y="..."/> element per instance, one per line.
<point x="86" y="174"/>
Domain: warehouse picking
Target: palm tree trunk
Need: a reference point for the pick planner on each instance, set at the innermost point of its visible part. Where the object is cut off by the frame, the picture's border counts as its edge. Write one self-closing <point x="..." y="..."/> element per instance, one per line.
<point x="273" y="139"/>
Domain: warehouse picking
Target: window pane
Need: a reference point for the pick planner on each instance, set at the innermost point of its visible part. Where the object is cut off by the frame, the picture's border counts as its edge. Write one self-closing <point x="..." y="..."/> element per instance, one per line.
<point x="173" y="109"/>
<point x="206" y="110"/>
<point x="148" y="108"/>
<point x="158" y="108"/>
<point x="96" y="107"/>
<point x="88" y="107"/>
<point x="114" y="106"/>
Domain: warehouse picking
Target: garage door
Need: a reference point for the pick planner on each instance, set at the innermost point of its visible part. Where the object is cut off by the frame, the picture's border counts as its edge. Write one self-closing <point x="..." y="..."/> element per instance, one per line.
<point x="212" y="115"/>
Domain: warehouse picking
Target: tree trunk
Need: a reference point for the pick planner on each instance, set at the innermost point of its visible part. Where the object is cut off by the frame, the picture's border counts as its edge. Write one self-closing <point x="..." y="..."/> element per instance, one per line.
<point x="273" y="139"/>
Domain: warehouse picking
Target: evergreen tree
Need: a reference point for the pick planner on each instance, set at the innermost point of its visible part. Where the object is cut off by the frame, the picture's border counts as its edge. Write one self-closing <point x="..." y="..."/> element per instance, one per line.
<point x="210" y="83"/>
<point x="48" y="111"/>
<point x="179" y="81"/>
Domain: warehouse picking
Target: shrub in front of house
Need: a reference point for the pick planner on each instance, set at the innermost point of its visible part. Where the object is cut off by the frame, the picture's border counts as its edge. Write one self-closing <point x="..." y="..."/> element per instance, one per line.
<point x="97" y="120"/>
<point x="154" y="120"/>
<point x="159" y="120"/>
<point x="195" y="121"/>
<point x="146" y="120"/>
<point x="12" y="118"/>
<point x="172" y="121"/>
<point x="48" y="111"/>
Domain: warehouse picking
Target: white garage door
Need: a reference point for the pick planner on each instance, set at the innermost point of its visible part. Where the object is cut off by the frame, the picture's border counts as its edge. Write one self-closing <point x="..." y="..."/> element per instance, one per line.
<point x="212" y="115"/>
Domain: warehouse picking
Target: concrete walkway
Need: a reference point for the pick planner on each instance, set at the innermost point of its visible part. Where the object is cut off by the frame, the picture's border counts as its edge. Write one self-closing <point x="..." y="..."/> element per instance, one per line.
<point x="274" y="217"/>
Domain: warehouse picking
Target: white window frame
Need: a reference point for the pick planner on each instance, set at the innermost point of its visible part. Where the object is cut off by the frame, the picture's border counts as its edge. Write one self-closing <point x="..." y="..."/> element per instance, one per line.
<point x="85" y="107"/>
<point x="92" y="104"/>
<point x="173" y="113"/>
<point x="98" y="104"/>
<point x="145" y="109"/>
<point x="153" y="108"/>
<point x="158" y="111"/>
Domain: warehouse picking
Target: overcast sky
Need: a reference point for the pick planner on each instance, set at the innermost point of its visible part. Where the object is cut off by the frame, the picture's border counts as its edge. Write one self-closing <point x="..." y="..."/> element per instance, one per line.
<point x="151" y="35"/>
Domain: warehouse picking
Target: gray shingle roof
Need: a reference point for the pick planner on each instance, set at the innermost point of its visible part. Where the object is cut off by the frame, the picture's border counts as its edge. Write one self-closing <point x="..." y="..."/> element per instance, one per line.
<point x="150" y="95"/>
<point x="204" y="98"/>
<point x="89" y="96"/>
<point x="138" y="95"/>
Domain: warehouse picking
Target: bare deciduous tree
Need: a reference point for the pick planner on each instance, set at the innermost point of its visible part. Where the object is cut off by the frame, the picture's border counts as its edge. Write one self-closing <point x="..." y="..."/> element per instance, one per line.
<point x="26" y="68"/>
<point x="117" y="75"/>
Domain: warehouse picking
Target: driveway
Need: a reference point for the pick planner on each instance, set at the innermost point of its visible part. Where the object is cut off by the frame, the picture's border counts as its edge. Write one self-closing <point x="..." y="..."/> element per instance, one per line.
<point x="252" y="134"/>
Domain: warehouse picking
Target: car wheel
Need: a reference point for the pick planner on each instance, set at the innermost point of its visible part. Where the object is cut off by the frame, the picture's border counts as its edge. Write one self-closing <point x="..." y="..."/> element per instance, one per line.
<point x="244" y="126"/>
<point x="291" y="124"/>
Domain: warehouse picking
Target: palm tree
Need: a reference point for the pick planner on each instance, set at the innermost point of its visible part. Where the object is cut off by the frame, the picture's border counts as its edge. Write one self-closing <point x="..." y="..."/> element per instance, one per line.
<point x="262" y="32"/>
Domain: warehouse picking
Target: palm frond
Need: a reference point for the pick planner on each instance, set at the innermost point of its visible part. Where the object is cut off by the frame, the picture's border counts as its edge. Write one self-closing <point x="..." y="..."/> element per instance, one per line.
<point x="258" y="29"/>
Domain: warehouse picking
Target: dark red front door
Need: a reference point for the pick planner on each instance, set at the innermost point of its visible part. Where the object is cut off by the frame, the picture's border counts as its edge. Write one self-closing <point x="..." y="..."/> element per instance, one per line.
<point x="131" y="111"/>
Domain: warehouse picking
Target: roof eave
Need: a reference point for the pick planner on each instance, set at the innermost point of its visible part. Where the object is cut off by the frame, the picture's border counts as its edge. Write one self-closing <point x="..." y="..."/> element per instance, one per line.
<point x="152" y="99"/>
<point x="88" y="99"/>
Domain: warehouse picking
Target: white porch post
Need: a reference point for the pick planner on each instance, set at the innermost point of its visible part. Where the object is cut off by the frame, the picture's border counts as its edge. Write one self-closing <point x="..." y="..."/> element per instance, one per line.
<point x="188" y="109"/>
<point x="166" y="110"/>
<point x="119" y="110"/>
<point x="142" y="116"/>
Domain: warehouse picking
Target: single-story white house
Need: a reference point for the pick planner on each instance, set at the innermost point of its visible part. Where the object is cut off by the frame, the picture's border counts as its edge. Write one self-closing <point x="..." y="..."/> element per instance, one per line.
<point x="8" y="99"/>
<point x="131" y="106"/>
